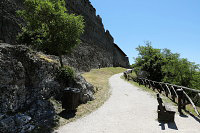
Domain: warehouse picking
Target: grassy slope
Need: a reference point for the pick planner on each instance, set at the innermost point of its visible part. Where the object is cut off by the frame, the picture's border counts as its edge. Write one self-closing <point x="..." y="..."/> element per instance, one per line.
<point x="98" y="78"/>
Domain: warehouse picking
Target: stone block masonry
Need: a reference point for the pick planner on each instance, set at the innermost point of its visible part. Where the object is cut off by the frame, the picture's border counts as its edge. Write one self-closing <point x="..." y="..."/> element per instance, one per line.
<point x="107" y="53"/>
<point x="97" y="45"/>
<point x="120" y="58"/>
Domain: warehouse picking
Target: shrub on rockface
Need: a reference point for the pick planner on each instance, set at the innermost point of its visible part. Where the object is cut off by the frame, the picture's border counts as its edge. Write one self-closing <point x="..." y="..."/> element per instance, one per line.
<point x="66" y="74"/>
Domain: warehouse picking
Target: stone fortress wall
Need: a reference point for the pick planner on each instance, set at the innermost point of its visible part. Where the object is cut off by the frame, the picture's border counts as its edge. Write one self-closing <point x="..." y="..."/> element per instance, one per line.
<point x="96" y="34"/>
<point x="97" y="45"/>
<point x="120" y="58"/>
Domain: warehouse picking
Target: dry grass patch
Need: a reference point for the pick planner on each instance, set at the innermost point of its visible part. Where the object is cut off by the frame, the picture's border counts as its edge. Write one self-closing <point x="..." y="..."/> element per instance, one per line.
<point x="46" y="58"/>
<point x="99" y="78"/>
<point x="150" y="91"/>
<point x="141" y="87"/>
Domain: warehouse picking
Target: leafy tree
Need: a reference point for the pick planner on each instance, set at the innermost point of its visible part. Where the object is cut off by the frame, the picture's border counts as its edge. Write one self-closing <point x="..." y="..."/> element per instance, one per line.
<point x="196" y="78"/>
<point x="165" y="66"/>
<point x="169" y="69"/>
<point x="149" y="60"/>
<point x="177" y="70"/>
<point x="49" y="27"/>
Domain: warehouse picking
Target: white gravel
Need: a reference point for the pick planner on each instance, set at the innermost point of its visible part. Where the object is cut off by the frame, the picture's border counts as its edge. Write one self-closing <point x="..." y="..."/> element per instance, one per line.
<point x="128" y="110"/>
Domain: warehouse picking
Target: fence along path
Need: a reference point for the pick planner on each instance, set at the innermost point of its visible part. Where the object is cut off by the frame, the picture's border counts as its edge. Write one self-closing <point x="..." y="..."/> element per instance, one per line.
<point x="129" y="110"/>
<point x="175" y="91"/>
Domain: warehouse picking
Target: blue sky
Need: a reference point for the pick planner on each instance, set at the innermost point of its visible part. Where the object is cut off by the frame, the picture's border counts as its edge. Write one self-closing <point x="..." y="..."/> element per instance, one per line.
<point x="172" y="24"/>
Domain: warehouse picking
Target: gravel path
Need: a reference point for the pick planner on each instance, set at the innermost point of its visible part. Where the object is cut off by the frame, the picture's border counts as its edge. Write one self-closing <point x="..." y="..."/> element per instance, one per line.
<point x="128" y="110"/>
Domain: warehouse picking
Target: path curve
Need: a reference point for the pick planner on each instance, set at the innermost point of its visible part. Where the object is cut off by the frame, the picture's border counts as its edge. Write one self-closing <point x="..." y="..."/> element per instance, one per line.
<point x="128" y="110"/>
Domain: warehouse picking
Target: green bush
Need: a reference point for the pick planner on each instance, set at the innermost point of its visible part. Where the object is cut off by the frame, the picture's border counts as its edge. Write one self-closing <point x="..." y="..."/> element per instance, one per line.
<point x="66" y="74"/>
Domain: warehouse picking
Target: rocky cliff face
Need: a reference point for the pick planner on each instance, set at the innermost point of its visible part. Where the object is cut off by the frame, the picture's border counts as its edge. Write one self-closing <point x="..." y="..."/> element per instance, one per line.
<point x="27" y="81"/>
<point x="9" y="23"/>
<point x="97" y="45"/>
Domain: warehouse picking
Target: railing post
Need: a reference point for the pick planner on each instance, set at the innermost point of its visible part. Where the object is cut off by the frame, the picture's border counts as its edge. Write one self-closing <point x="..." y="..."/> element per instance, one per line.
<point x="166" y="91"/>
<point x="180" y="96"/>
<point x="139" y="81"/>
<point x="149" y="84"/>
<point x="145" y="83"/>
<point x="142" y="82"/>
<point x="166" y="94"/>
<point x="160" y="88"/>
<point x="154" y="86"/>
<point x="184" y="103"/>
<point x="173" y="96"/>
<point x="124" y="75"/>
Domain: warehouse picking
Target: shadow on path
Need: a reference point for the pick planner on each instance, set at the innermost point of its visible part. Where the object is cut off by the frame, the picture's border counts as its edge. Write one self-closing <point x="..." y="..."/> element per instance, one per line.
<point x="183" y="115"/>
<point x="67" y="114"/>
<point x="195" y="117"/>
<point x="171" y="125"/>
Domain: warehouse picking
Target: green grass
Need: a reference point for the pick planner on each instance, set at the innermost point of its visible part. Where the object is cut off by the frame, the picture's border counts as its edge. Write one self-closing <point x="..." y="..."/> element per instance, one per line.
<point x="142" y="87"/>
<point x="99" y="78"/>
<point x="133" y="74"/>
<point x="190" y="109"/>
<point x="149" y="90"/>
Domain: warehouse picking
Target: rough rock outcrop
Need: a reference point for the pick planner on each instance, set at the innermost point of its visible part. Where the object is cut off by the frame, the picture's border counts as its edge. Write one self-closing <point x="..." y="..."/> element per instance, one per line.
<point x="97" y="45"/>
<point x="27" y="81"/>
<point x="9" y="22"/>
